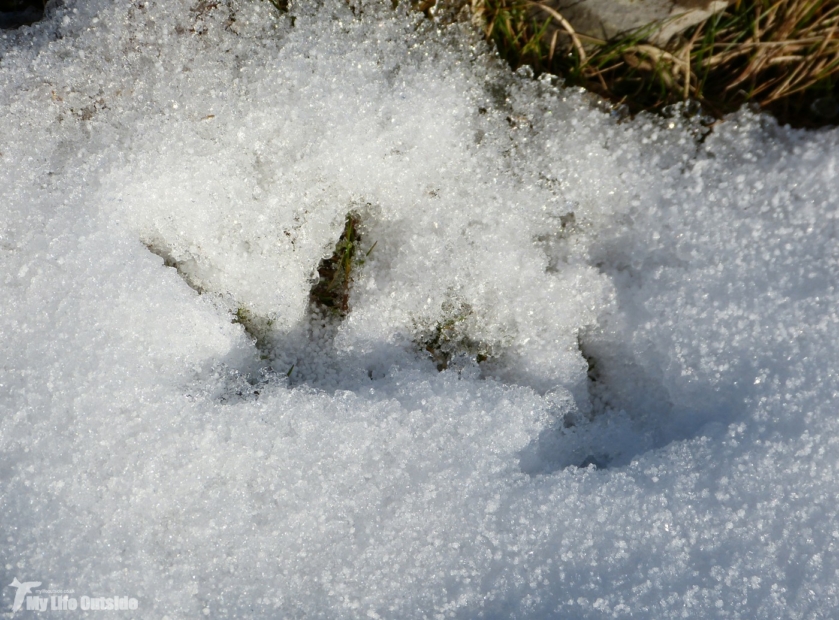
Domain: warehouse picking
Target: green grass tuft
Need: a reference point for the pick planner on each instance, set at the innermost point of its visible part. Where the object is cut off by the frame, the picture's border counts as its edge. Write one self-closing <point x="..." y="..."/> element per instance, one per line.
<point x="335" y="274"/>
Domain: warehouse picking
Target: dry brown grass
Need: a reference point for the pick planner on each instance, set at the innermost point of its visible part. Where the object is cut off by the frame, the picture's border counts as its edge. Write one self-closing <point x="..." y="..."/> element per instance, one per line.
<point x="782" y="55"/>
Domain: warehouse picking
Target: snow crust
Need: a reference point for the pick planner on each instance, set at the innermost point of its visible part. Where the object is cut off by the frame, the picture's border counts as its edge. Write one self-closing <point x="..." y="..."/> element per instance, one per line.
<point x="657" y="305"/>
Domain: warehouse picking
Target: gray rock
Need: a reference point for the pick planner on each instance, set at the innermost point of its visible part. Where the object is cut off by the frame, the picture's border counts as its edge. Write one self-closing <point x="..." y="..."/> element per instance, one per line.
<point x="606" y="19"/>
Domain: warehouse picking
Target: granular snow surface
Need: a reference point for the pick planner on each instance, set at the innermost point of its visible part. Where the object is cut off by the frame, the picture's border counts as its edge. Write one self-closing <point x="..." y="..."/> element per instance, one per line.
<point x="651" y="431"/>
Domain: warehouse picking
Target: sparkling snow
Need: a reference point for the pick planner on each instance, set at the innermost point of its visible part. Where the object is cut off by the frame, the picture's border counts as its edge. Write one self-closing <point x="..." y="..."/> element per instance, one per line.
<point x="657" y="305"/>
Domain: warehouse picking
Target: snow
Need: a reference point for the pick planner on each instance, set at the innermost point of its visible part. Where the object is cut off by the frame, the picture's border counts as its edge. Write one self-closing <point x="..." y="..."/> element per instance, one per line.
<point x="657" y="304"/>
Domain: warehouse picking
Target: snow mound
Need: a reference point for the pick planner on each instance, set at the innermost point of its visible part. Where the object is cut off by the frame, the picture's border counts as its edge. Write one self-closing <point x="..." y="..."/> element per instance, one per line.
<point x="635" y="415"/>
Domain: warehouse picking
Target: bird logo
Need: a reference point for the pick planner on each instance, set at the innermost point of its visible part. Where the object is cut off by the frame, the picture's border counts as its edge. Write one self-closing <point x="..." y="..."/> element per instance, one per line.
<point x="22" y="590"/>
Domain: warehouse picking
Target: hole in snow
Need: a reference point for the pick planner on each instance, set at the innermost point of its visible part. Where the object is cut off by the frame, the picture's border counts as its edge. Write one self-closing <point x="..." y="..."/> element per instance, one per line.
<point x="450" y="342"/>
<point x="331" y="291"/>
<point x="17" y="13"/>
